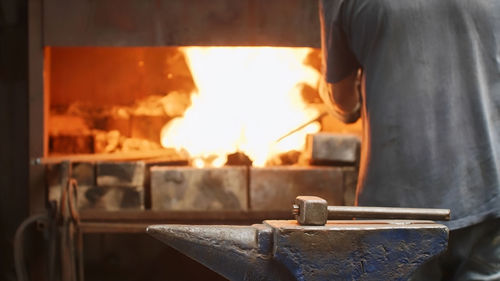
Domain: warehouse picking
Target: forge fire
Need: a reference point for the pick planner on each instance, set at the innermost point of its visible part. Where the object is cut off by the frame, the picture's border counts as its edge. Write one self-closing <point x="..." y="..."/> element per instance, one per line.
<point x="198" y="103"/>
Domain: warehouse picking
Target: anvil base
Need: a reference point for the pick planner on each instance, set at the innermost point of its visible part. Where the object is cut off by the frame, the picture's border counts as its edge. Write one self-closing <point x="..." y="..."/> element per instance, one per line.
<point x="285" y="250"/>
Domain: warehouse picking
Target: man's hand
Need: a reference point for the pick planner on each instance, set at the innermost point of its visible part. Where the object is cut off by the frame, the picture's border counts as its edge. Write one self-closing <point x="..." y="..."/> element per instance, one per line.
<point x="343" y="99"/>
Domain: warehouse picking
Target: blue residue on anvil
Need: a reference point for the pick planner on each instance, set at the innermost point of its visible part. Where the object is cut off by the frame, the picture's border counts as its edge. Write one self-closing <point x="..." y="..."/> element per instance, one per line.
<point x="383" y="254"/>
<point x="404" y="244"/>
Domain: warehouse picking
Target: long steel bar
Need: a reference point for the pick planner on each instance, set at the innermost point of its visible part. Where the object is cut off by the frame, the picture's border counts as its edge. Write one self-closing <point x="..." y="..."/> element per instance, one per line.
<point x="349" y="212"/>
<point x="321" y="115"/>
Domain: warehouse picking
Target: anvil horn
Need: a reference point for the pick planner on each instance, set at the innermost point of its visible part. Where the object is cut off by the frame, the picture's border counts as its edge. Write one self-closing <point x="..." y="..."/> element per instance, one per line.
<point x="235" y="252"/>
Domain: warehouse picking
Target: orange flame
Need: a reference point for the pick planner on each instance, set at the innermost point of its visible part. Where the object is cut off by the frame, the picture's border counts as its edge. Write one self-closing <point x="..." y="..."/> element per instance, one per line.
<point x="248" y="97"/>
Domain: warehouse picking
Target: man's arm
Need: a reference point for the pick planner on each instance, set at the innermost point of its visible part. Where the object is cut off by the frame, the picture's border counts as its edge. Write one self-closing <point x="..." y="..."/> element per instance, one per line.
<point x="343" y="98"/>
<point x="340" y="65"/>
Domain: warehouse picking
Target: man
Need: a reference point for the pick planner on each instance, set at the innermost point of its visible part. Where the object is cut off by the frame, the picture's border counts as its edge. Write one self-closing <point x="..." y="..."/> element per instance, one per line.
<point x="430" y="106"/>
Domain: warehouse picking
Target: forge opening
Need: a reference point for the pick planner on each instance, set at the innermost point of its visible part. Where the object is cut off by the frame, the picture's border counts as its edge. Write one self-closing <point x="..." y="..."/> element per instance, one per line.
<point x="200" y="103"/>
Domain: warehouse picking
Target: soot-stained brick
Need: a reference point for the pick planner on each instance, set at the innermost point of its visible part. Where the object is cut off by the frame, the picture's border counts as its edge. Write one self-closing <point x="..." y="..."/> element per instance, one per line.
<point x="275" y="188"/>
<point x="333" y="149"/>
<point x="196" y="189"/>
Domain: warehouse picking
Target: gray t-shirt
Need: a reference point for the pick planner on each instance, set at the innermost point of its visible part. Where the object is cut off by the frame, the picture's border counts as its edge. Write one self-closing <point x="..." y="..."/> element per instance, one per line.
<point x="432" y="102"/>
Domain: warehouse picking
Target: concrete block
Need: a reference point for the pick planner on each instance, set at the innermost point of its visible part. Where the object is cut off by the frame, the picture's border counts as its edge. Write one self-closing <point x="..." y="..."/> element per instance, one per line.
<point x="350" y="183"/>
<point x="123" y="174"/>
<point x="333" y="149"/>
<point x="119" y="186"/>
<point x="177" y="160"/>
<point x="195" y="189"/>
<point x="275" y="188"/>
<point x="90" y="196"/>
<point x="110" y="198"/>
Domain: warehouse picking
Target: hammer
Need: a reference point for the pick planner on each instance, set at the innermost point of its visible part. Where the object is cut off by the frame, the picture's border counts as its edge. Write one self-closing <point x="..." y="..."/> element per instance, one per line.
<point x="313" y="210"/>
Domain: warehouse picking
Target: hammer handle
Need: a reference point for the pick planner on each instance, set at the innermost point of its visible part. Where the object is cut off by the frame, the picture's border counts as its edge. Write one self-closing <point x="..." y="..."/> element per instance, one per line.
<point x="349" y="212"/>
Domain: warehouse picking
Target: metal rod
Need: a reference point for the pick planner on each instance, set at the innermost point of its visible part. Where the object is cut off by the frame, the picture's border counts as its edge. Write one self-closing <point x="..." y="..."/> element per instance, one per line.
<point x="167" y="155"/>
<point x="349" y="212"/>
<point x="321" y="115"/>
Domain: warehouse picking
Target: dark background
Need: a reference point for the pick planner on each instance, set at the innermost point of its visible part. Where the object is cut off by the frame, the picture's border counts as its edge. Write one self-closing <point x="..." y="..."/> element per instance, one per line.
<point x="13" y="127"/>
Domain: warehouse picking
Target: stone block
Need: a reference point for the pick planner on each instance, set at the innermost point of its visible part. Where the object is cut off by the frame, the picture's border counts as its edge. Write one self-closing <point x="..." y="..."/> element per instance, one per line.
<point x="91" y="196"/>
<point x="174" y="160"/>
<point x="350" y="183"/>
<point x="123" y="174"/>
<point x="275" y="188"/>
<point x="110" y="198"/>
<point x="195" y="189"/>
<point x="333" y="149"/>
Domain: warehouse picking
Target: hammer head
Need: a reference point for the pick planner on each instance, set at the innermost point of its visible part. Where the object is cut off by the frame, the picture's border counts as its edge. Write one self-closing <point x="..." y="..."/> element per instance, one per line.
<point x="312" y="210"/>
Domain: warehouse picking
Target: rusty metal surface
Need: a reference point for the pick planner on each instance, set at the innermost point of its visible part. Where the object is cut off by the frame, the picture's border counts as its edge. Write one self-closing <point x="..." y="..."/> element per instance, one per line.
<point x="285" y="250"/>
<point x="181" y="23"/>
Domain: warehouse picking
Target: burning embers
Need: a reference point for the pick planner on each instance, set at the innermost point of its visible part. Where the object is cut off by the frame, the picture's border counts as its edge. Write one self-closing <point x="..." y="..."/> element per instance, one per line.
<point x="230" y="101"/>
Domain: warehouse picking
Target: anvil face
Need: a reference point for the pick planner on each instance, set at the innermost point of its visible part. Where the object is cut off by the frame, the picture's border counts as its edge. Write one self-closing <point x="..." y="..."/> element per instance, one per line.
<point x="285" y="250"/>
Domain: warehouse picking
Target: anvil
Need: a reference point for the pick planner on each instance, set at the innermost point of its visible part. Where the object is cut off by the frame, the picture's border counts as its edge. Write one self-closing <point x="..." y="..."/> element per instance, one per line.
<point x="282" y="250"/>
